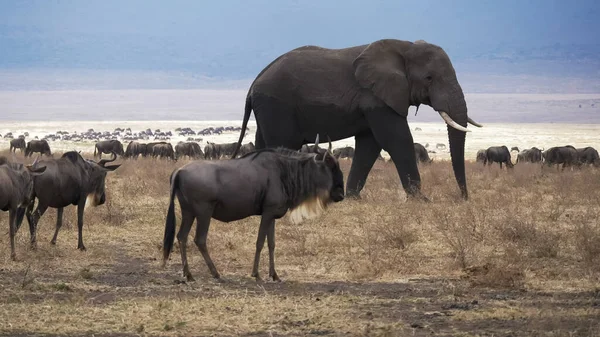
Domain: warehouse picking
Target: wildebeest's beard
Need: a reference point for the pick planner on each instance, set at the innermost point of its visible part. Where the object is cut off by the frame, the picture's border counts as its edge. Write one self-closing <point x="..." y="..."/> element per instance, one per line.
<point x="96" y="196"/>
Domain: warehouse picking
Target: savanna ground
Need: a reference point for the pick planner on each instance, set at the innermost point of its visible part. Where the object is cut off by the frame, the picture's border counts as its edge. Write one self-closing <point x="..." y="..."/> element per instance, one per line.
<point x="520" y="258"/>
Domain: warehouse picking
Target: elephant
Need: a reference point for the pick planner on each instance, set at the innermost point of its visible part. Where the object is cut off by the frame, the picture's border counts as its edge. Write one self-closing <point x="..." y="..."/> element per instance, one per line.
<point x="588" y="155"/>
<point x="498" y="154"/>
<point x="481" y="156"/>
<point x="17" y="143"/>
<point x="421" y="153"/>
<point x="533" y="155"/>
<point x="40" y="146"/>
<point x="362" y="91"/>
<point x="566" y="155"/>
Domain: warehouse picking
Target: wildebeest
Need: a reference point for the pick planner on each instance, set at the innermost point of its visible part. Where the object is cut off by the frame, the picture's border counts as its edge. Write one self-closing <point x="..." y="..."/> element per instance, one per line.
<point x="246" y="148"/>
<point x="190" y="149"/>
<point x="533" y="155"/>
<point x="40" y="146"/>
<point x="108" y="146"/>
<point x="344" y="152"/>
<point x="17" y="143"/>
<point x="566" y="155"/>
<point x="588" y="155"/>
<point x="481" y="156"/>
<point x="16" y="192"/>
<point x="162" y="150"/>
<point x="421" y="153"/>
<point x="268" y="182"/>
<point x="69" y="180"/>
<point x="135" y="149"/>
<point x="224" y="150"/>
<point x="498" y="154"/>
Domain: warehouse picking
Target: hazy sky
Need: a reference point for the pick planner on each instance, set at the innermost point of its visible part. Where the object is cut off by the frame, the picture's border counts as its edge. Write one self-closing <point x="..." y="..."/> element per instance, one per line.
<point x="240" y="35"/>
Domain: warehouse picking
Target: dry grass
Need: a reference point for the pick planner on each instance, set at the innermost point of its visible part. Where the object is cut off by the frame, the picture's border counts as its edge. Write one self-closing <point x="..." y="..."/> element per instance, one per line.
<point x="522" y="256"/>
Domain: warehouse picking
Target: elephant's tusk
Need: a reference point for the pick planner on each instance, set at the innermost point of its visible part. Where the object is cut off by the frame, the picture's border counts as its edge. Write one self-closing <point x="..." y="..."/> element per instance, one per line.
<point x="474" y="123"/>
<point x="452" y="123"/>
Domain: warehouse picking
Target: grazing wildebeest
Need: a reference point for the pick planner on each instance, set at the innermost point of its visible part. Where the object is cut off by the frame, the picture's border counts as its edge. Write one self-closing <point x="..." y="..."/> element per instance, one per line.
<point x="566" y="155"/>
<point x="190" y="149"/>
<point x="533" y="155"/>
<point x="246" y="148"/>
<point x="515" y="148"/>
<point x="268" y="182"/>
<point x="107" y="147"/>
<point x="16" y="192"/>
<point x="588" y="155"/>
<point x="209" y="151"/>
<point x="481" y="156"/>
<point x="163" y="150"/>
<point x="498" y="154"/>
<point x="421" y="153"/>
<point x="40" y="146"/>
<point x="17" y="143"/>
<point x="225" y="150"/>
<point x="344" y="152"/>
<point x="69" y="180"/>
<point x="135" y="149"/>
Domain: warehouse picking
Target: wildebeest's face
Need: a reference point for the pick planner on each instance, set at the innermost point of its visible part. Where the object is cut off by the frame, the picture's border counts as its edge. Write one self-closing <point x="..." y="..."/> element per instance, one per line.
<point x="97" y="179"/>
<point x="332" y="168"/>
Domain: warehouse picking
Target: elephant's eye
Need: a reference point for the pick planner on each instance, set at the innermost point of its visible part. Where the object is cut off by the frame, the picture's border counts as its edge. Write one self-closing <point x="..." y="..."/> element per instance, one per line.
<point x="428" y="78"/>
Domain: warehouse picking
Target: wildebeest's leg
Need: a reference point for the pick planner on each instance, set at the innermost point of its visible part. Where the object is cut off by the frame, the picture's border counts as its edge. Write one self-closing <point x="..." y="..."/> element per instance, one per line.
<point x="187" y="219"/>
<point x="203" y="223"/>
<point x="271" y="243"/>
<point x="12" y="229"/>
<point x="59" y="215"/>
<point x="265" y="223"/>
<point x="33" y="222"/>
<point x="500" y="165"/>
<point x="80" y="209"/>
<point x="365" y="155"/>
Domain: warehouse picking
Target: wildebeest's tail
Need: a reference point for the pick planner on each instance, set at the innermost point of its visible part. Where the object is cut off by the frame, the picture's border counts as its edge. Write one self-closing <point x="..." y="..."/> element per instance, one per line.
<point x="95" y="149"/>
<point x="170" y="222"/>
<point x="247" y="112"/>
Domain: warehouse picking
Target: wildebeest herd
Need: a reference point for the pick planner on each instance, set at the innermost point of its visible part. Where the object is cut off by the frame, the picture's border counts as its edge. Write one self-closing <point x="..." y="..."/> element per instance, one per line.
<point x="568" y="156"/>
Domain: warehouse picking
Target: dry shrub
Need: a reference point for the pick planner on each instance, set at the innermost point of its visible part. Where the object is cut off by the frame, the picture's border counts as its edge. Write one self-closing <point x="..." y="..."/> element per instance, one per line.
<point x="587" y="243"/>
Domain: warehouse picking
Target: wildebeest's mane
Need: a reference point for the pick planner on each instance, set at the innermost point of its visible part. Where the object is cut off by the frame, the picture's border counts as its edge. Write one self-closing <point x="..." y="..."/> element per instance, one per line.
<point x="71" y="155"/>
<point x="299" y="178"/>
<point x="279" y="150"/>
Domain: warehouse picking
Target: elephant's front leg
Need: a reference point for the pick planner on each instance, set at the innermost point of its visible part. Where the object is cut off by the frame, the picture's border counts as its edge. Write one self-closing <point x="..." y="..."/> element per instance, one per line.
<point x="393" y="133"/>
<point x="366" y="153"/>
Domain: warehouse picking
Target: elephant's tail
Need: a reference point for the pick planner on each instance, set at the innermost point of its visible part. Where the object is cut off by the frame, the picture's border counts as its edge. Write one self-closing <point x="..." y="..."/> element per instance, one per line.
<point x="247" y="112"/>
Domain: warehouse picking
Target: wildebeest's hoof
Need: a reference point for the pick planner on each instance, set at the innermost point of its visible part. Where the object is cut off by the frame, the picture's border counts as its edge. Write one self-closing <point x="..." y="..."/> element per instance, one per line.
<point x="217" y="276"/>
<point x="53" y="242"/>
<point x="33" y="245"/>
<point x="81" y="248"/>
<point x="13" y="257"/>
<point x="275" y="277"/>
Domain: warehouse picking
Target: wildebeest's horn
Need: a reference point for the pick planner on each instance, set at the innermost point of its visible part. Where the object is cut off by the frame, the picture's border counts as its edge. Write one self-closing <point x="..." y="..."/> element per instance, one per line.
<point x="330" y="147"/>
<point x="317" y="144"/>
<point x="104" y="161"/>
<point x="474" y="123"/>
<point x="35" y="161"/>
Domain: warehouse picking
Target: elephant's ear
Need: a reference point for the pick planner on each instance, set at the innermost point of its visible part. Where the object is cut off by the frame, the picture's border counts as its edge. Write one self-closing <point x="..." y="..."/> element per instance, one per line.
<point x="380" y="69"/>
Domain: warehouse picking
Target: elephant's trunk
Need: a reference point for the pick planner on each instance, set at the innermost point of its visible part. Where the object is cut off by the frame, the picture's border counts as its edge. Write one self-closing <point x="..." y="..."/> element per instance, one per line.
<point x="456" y="139"/>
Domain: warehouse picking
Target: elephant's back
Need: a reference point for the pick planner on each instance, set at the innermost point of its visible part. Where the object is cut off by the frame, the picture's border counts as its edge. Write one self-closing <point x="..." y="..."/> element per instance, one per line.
<point x="310" y="71"/>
